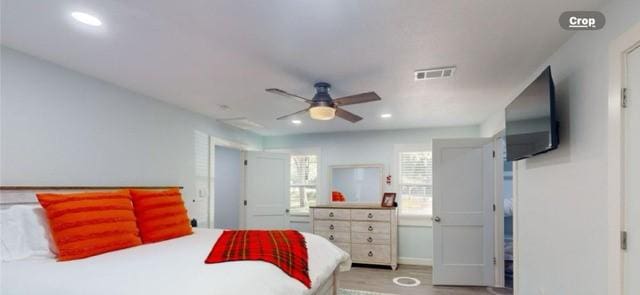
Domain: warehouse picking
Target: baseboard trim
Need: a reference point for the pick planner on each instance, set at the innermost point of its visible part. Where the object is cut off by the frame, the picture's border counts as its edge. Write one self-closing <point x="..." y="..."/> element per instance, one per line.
<point x="415" y="261"/>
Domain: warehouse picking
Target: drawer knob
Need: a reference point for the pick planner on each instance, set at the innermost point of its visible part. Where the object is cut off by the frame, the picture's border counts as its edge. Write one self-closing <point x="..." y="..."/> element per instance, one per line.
<point x="330" y="214"/>
<point x="369" y="239"/>
<point x="331" y="237"/>
<point x="370" y="228"/>
<point x="370" y="215"/>
<point x="331" y="226"/>
<point x="370" y="254"/>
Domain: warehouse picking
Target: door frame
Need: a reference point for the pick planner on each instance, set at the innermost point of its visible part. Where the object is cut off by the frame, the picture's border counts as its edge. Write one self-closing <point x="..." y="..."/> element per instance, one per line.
<point x="618" y="50"/>
<point x="217" y="141"/>
<point x="498" y="221"/>
<point x="499" y="214"/>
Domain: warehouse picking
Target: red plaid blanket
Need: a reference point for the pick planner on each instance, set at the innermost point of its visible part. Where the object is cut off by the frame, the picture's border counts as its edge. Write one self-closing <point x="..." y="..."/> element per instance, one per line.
<point x="287" y="249"/>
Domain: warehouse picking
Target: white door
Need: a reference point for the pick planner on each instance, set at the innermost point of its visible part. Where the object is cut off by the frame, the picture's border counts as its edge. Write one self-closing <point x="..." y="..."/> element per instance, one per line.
<point x="463" y="173"/>
<point x="632" y="174"/>
<point x="267" y="192"/>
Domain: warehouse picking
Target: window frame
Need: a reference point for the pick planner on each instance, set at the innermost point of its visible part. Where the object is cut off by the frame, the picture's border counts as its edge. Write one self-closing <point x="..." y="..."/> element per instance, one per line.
<point x="301" y="188"/>
<point x="410" y="219"/>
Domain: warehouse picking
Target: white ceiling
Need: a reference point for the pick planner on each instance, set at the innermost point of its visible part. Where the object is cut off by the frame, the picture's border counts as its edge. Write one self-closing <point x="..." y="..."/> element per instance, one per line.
<point x="199" y="54"/>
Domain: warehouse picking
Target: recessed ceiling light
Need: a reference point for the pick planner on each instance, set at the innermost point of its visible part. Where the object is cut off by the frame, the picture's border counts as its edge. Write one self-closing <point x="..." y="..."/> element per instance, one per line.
<point x="86" y="18"/>
<point x="385" y="116"/>
<point x="297" y="122"/>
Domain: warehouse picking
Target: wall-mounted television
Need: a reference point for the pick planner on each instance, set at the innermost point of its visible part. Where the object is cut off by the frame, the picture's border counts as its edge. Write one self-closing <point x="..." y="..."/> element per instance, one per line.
<point x="531" y="121"/>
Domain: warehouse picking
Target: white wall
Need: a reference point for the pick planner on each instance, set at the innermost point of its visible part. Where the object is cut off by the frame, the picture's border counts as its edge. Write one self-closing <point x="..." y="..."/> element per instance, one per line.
<point x="60" y="127"/>
<point x="370" y="147"/>
<point x="561" y="197"/>
<point x="493" y="125"/>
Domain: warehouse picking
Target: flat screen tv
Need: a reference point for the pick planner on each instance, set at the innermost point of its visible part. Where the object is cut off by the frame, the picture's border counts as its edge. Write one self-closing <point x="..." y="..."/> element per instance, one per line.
<point x="531" y="122"/>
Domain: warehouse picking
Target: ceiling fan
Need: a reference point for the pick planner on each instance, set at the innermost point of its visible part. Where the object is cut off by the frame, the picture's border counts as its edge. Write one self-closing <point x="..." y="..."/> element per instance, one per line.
<point x="323" y="107"/>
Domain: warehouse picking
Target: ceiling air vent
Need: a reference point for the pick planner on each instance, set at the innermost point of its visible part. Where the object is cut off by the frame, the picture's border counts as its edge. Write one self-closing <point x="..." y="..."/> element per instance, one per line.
<point x="436" y="73"/>
<point x="242" y="123"/>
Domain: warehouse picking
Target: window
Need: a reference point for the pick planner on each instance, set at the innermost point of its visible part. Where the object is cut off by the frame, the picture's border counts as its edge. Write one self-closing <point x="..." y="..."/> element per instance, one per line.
<point x="415" y="182"/>
<point x="304" y="177"/>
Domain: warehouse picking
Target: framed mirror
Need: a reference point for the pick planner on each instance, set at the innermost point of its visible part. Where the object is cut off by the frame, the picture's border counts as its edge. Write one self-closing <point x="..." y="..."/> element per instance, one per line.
<point x="356" y="183"/>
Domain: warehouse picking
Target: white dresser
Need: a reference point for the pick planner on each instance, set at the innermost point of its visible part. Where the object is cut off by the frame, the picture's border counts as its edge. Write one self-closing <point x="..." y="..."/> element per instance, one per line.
<point x="369" y="233"/>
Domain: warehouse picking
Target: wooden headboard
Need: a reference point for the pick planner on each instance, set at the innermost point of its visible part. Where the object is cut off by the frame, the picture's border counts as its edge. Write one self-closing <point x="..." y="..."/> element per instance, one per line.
<point x="13" y="195"/>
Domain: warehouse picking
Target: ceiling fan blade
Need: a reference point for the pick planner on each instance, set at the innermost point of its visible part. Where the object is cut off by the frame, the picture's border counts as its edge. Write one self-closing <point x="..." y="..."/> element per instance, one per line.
<point x="357" y="98"/>
<point x="284" y="93"/>
<point x="349" y="116"/>
<point x="291" y="115"/>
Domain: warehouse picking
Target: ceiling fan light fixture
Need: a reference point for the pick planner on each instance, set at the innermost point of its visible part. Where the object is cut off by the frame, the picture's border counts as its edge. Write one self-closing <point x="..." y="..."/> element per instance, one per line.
<point x="322" y="113"/>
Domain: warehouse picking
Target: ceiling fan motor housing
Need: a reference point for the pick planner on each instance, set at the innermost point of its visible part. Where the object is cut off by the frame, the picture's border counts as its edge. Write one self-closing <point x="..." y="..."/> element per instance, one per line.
<point x="322" y="97"/>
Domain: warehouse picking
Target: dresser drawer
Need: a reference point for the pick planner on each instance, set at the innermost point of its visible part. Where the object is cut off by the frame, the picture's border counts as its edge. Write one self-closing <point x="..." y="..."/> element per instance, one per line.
<point x="371" y="253"/>
<point x="332" y="225"/>
<point x="346" y="247"/>
<point x="373" y="215"/>
<point x="323" y="213"/>
<point x="335" y="237"/>
<point x="370" y="239"/>
<point x="370" y="227"/>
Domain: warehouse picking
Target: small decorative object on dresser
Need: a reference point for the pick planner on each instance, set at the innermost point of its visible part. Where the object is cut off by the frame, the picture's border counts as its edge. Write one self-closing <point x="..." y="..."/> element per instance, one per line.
<point x="368" y="232"/>
<point x="389" y="200"/>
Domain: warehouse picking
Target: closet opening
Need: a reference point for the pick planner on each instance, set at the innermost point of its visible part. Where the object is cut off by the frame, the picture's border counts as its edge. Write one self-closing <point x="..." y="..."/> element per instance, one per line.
<point x="227" y="171"/>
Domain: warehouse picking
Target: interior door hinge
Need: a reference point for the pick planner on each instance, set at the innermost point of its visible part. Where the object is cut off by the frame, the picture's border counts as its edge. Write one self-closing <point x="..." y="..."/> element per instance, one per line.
<point x="246" y="162"/>
<point x="623" y="240"/>
<point x="494" y="154"/>
<point x="495" y="261"/>
<point x="625" y="98"/>
<point x="494" y="207"/>
<point x="245" y="202"/>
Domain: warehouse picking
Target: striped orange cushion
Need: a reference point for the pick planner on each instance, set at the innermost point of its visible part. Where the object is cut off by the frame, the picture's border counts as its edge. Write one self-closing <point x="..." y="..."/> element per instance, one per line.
<point x="87" y="224"/>
<point x="161" y="214"/>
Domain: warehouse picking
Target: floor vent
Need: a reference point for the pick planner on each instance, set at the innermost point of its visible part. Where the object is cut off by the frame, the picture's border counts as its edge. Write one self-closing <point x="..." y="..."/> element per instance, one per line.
<point x="435" y="73"/>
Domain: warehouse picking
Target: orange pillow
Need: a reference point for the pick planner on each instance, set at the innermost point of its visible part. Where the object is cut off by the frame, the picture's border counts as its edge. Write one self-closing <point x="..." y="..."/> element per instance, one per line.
<point x="161" y="214"/>
<point x="87" y="224"/>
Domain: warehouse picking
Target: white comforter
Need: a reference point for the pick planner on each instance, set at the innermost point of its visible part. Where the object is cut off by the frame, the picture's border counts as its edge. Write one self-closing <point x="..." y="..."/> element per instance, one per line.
<point x="170" y="267"/>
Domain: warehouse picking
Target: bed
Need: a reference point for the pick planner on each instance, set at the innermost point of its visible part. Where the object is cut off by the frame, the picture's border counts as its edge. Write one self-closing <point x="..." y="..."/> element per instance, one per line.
<point x="170" y="267"/>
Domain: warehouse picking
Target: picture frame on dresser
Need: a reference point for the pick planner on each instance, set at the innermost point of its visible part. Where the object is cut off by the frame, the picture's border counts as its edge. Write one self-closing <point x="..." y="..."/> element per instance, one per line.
<point x="389" y="200"/>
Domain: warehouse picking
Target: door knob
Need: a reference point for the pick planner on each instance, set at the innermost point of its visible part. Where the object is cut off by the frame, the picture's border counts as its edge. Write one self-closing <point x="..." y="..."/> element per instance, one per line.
<point x="436" y="219"/>
<point x="331" y="226"/>
<point x="370" y="228"/>
<point x="370" y="215"/>
<point x="331" y="237"/>
<point x="330" y="214"/>
<point x="287" y="210"/>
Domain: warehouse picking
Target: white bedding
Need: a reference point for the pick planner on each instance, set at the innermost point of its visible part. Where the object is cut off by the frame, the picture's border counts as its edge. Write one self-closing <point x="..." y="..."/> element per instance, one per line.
<point x="170" y="267"/>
